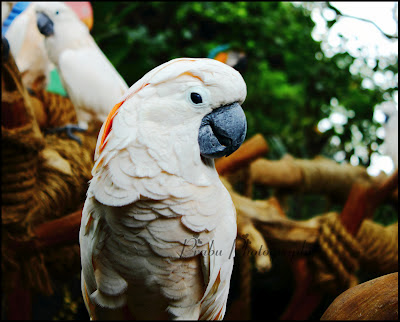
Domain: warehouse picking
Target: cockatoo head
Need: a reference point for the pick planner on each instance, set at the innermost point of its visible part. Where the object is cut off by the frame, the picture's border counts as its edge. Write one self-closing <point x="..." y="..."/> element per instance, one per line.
<point x="54" y="16"/>
<point x="194" y="100"/>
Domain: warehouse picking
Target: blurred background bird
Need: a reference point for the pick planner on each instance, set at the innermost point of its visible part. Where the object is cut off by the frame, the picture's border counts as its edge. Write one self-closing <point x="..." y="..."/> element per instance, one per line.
<point x="27" y="43"/>
<point x="91" y="81"/>
<point x="233" y="57"/>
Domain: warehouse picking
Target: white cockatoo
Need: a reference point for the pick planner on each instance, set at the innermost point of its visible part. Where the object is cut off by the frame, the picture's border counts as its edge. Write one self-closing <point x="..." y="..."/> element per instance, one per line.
<point x="391" y="126"/>
<point x="27" y="43"/>
<point x="158" y="227"/>
<point x="91" y="81"/>
<point x="27" y="47"/>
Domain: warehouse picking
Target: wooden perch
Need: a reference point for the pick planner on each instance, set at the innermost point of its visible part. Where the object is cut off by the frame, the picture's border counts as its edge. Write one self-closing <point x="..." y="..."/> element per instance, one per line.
<point x="283" y="173"/>
<point x="250" y="150"/>
<point x="383" y="192"/>
<point x="362" y="201"/>
<point x="58" y="231"/>
<point x="376" y="299"/>
<point x="306" y="299"/>
<point x="254" y="243"/>
<point x="319" y="175"/>
<point x="281" y="232"/>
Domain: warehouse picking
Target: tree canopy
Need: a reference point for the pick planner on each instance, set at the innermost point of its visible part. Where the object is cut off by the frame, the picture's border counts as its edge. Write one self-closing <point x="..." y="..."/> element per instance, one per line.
<point x="291" y="84"/>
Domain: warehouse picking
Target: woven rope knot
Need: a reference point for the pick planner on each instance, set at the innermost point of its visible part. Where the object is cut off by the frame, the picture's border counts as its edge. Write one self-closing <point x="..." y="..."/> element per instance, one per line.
<point x="338" y="261"/>
<point x="380" y="246"/>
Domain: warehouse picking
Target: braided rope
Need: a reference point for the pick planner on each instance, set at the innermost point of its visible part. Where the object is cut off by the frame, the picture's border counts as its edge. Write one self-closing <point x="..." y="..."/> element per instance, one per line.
<point x="34" y="188"/>
<point x="341" y="254"/>
<point x="380" y="247"/>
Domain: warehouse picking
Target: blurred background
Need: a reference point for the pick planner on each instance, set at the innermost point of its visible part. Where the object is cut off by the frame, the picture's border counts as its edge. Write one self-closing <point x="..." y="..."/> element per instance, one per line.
<point x="316" y="71"/>
<point x="321" y="78"/>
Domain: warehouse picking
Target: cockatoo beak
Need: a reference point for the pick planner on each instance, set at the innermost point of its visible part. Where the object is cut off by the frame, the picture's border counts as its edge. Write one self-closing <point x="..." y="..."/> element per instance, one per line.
<point x="222" y="131"/>
<point x="45" y="24"/>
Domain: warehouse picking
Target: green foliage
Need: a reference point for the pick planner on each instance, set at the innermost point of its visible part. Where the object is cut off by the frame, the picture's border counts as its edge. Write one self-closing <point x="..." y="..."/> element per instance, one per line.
<point x="290" y="82"/>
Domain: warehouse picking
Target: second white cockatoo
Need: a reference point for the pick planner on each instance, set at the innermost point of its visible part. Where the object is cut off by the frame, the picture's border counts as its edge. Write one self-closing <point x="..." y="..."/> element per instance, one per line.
<point x="158" y="227"/>
<point x="27" y="43"/>
<point x="91" y="81"/>
<point x="27" y="47"/>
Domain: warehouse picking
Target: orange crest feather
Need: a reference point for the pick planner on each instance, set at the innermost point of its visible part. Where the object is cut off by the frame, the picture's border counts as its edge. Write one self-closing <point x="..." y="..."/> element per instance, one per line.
<point x="108" y="124"/>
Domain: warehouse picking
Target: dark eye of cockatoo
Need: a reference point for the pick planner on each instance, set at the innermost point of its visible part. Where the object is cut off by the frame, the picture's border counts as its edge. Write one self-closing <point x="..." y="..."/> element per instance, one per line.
<point x="196" y="98"/>
<point x="57" y="12"/>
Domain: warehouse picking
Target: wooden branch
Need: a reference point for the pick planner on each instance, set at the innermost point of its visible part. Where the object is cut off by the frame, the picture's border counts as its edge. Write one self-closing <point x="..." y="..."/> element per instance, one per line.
<point x="298" y="308"/>
<point x="290" y="236"/>
<point x="250" y="150"/>
<point x="375" y="300"/>
<point x="282" y="173"/>
<point x="255" y="241"/>
<point x="306" y="297"/>
<point x="319" y="175"/>
<point x="59" y="231"/>
<point x="385" y="190"/>
<point x="278" y="231"/>
<point x="362" y="200"/>
<point x="354" y="210"/>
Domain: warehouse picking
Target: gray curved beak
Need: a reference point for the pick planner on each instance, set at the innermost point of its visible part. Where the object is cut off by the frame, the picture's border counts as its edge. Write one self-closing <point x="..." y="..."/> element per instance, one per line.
<point x="45" y="24"/>
<point x="222" y="131"/>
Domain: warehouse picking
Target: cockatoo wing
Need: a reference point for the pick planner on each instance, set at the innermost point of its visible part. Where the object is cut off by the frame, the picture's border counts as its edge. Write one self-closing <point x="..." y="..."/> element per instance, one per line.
<point x="100" y="283"/>
<point x="85" y="72"/>
<point x="217" y="268"/>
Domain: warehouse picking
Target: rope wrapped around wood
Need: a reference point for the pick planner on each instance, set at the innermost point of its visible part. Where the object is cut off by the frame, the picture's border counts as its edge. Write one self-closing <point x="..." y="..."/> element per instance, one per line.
<point x="340" y="255"/>
<point x="44" y="178"/>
